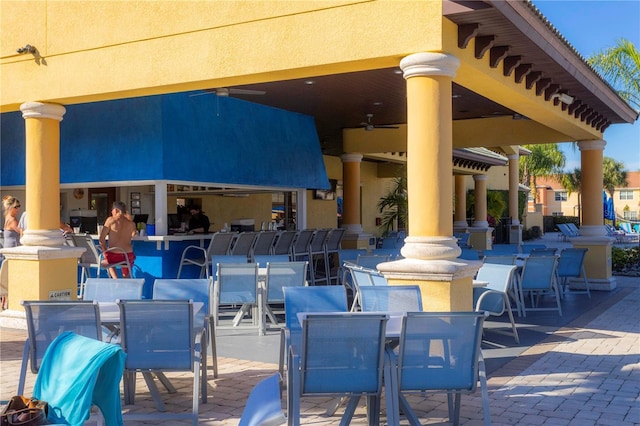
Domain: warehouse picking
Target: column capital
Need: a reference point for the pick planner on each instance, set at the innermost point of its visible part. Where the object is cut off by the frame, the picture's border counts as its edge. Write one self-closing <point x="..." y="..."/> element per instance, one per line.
<point x="42" y="110"/>
<point x="480" y="177"/>
<point x="593" y="145"/>
<point x="351" y="158"/>
<point x="513" y="157"/>
<point x="429" y="64"/>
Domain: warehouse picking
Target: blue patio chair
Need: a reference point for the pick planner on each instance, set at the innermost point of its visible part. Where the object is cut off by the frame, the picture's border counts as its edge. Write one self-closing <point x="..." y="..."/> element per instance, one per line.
<point x="108" y="290"/>
<point x="306" y="299"/>
<point x="158" y="337"/>
<point x="470" y="254"/>
<point x="318" y="267"/>
<point x="494" y="298"/>
<point x="243" y="244"/>
<point x="284" y="243"/>
<point x="371" y="261"/>
<point x="543" y="252"/>
<point x="281" y="275"/>
<point x="264" y="408"/>
<point x="348" y="256"/>
<point x="224" y="258"/>
<point x="506" y="259"/>
<point x="300" y="247"/>
<point x="262" y="260"/>
<point x="502" y="249"/>
<point x="440" y="352"/>
<point x="78" y="372"/>
<point x="399" y="298"/>
<point x="332" y="249"/>
<point x="538" y="278"/>
<point x="340" y="354"/>
<point x="197" y="290"/>
<point x="263" y="244"/>
<point x="526" y="248"/>
<point x="463" y="239"/>
<point x="360" y="278"/>
<point x="571" y="265"/>
<point x="200" y="257"/>
<point x="46" y="320"/>
<point x="237" y="285"/>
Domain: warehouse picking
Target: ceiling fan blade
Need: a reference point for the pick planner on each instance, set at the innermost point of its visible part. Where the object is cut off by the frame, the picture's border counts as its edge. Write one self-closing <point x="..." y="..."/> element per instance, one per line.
<point x="246" y="92"/>
<point x="385" y="126"/>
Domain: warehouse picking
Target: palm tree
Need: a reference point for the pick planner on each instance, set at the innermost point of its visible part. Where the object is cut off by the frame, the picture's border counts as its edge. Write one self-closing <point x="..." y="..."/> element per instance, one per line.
<point x="613" y="176"/>
<point x="394" y="205"/>
<point x="572" y="183"/>
<point x="620" y="65"/>
<point x="544" y="160"/>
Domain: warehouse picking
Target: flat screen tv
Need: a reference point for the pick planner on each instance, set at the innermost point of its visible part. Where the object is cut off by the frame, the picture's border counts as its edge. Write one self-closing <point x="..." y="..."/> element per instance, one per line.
<point x="173" y="221"/>
<point x="140" y="218"/>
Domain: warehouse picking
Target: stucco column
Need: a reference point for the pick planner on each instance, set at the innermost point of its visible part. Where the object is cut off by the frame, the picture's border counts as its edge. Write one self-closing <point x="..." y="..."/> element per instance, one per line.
<point x="514" y="160"/>
<point x="42" y="131"/>
<point x="430" y="250"/>
<point x="460" y="215"/>
<point x="481" y="233"/>
<point x="42" y="268"/>
<point x="351" y="192"/>
<point x="593" y="234"/>
<point x="480" y="207"/>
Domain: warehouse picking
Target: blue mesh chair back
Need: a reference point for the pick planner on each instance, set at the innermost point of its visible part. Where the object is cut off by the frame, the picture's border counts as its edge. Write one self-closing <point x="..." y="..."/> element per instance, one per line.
<point x="377" y="278"/>
<point x="46" y="320"/>
<point x="196" y="290"/>
<point x="243" y="244"/>
<point x="539" y="277"/>
<point x="109" y="290"/>
<point x="469" y="254"/>
<point x="284" y="243"/>
<point x="399" y="298"/>
<point x="263" y="406"/>
<point x="527" y="248"/>
<point x="307" y="299"/>
<point x="371" y="261"/>
<point x="543" y="252"/>
<point x="508" y="259"/>
<point x="263" y="244"/>
<point x="340" y="355"/>
<point x="571" y="265"/>
<point x="158" y="337"/>
<point x="300" y="248"/>
<point x="503" y="249"/>
<point x="440" y="352"/>
<point x="262" y="260"/>
<point x="225" y="258"/>
<point x="281" y="275"/>
<point x="494" y="298"/>
<point x="238" y="283"/>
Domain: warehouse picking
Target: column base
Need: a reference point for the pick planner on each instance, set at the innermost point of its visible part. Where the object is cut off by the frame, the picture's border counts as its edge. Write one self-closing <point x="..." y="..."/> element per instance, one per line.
<point x="430" y="248"/>
<point x="42" y="237"/>
<point x="460" y="227"/>
<point x="481" y="238"/>
<point x="362" y="240"/>
<point x="445" y="285"/>
<point x="597" y="262"/>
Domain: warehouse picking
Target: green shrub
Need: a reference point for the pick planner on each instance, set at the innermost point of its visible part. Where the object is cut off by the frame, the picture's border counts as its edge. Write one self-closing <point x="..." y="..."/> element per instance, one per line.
<point x="623" y="258"/>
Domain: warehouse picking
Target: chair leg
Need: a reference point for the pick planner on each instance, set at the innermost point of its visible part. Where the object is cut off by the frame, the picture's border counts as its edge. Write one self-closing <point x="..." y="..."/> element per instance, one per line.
<point x="155" y="394"/>
<point x="482" y="375"/>
<point x="212" y="344"/>
<point x="23" y="368"/>
<point x="513" y="323"/>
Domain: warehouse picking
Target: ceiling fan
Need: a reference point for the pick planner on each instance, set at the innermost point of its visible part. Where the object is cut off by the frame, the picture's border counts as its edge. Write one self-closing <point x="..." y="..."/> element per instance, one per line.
<point x="369" y="126"/>
<point x="225" y="91"/>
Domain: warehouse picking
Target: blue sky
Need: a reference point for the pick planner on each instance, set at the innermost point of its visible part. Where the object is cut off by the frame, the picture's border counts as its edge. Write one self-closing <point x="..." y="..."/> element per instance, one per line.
<point x="591" y="26"/>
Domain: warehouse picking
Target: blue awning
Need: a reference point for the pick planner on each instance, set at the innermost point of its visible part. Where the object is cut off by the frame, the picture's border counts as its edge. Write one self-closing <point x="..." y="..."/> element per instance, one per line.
<point x="177" y="137"/>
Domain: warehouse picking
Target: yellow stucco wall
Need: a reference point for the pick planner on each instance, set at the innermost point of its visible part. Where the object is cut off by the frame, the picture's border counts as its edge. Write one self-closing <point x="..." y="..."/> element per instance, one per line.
<point x="123" y="49"/>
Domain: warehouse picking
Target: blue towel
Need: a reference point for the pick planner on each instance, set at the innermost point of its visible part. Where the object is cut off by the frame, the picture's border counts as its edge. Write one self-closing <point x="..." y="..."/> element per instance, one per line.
<point x="77" y="372"/>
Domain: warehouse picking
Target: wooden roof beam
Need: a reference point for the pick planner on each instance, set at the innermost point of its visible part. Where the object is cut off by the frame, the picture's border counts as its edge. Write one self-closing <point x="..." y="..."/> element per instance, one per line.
<point x="509" y="65"/>
<point x="497" y="54"/>
<point x="483" y="43"/>
<point x="466" y="33"/>
<point x="522" y="71"/>
<point x="533" y="78"/>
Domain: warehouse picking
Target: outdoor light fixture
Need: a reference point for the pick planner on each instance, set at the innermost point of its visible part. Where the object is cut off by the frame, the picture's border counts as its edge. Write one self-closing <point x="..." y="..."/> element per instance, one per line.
<point x="26" y="49"/>
<point x="564" y="98"/>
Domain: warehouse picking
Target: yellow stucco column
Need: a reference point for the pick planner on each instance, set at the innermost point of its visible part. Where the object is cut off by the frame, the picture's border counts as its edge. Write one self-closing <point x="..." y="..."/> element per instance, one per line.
<point x="460" y="215"/>
<point x="351" y="192"/>
<point x="42" y="131"/>
<point x="430" y="250"/>
<point x="593" y="234"/>
<point x="354" y="236"/>
<point x="42" y="268"/>
<point x="515" y="230"/>
<point x="481" y="232"/>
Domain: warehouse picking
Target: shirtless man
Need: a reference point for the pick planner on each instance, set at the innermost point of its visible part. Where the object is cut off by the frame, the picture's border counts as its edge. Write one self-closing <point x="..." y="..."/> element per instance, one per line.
<point x="120" y="231"/>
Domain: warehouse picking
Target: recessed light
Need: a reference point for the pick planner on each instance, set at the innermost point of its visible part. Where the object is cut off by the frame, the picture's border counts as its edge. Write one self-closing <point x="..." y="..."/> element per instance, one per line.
<point x="309" y="82"/>
<point x="397" y="72"/>
<point x="377" y="103"/>
<point x="456" y="96"/>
